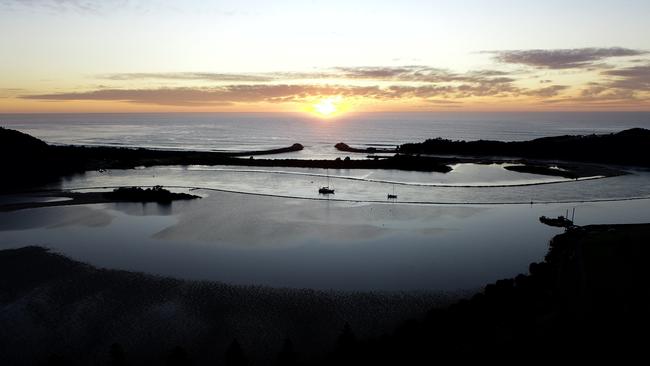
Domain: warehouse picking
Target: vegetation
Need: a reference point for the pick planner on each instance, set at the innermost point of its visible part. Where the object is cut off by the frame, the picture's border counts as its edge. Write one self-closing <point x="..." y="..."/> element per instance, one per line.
<point x="155" y="194"/>
<point x="625" y="147"/>
<point x="31" y="162"/>
<point x="341" y="146"/>
<point x="586" y="302"/>
<point x="59" y="310"/>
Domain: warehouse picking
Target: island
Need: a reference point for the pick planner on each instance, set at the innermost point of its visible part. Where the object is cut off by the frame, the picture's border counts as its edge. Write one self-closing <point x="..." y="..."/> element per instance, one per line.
<point x="154" y="194"/>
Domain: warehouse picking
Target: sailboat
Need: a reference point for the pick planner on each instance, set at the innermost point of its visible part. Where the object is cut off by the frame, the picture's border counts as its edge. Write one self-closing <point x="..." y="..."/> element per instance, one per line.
<point x="326" y="189"/>
<point x="392" y="196"/>
<point x="560" y="221"/>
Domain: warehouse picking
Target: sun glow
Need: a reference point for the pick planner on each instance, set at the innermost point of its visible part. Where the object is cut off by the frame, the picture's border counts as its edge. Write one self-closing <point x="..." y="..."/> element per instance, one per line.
<point x="328" y="107"/>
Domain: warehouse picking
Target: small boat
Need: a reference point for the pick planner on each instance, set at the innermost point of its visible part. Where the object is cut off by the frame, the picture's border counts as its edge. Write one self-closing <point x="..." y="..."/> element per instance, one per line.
<point x="392" y="196"/>
<point x="326" y="189"/>
<point x="559" y="221"/>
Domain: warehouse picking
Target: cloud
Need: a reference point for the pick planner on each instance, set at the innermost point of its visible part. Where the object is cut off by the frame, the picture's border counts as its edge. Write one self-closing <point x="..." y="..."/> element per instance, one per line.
<point x="427" y="84"/>
<point x="633" y="78"/>
<point x="283" y="93"/>
<point x="415" y="73"/>
<point x="627" y="85"/>
<point x="595" y="96"/>
<point x="562" y="58"/>
<point x="418" y="73"/>
<point x="391" y="83"/>
<point x="444" y="101"/>
<point x="212" y="96"/>
<point x="623" y="86"/>
<point x="546" y="92"/>
<point x="202" y="76"/>
<point x="401" y="73"/>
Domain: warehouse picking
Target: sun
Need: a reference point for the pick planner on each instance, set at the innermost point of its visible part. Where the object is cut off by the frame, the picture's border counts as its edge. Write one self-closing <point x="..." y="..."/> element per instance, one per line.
<point x="327" y="107"/>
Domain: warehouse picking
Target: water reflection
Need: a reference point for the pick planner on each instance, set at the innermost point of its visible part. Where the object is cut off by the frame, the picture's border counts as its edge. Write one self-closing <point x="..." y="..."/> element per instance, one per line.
<point x="144" y="208"/>
<point x="247" y="239"/>
<point x="362" y="185"/>
<point x="52" y="218"/>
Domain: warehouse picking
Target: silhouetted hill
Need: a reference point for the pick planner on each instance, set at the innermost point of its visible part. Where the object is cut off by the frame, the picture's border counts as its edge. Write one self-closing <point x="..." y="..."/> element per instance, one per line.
<point x="12" y="140"/>
<point x="626" y="147"/>
<point x="588" y="301"/>
<point x="31" y="162"/>
<point x="52" y="307"/>
<point x="27" y="161"/>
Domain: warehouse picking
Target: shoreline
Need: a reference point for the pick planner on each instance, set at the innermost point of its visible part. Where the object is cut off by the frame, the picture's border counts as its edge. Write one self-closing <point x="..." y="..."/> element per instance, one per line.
<point x="150" y="313"/>
<point x="79" y="198"/>
<point x="584" y="301"/>
<point x="592" y="273"/>
<point x="33" y="161"/>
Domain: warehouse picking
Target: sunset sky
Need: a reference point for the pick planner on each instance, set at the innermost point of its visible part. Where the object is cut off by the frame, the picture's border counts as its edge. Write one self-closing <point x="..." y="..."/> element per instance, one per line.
<point x="129" y="56"/>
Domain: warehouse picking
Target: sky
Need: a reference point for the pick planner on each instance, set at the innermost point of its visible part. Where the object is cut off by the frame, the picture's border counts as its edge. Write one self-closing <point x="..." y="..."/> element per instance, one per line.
<point x="323" y="57"/>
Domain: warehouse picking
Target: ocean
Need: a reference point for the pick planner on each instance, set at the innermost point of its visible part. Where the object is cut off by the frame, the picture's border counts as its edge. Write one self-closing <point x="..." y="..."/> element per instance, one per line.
<point x="253" y="131"/>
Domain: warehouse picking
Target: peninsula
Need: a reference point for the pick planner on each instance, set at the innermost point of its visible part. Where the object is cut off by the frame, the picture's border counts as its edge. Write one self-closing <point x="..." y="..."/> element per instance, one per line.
<point x="29" y="161"/>
<point x="624" y="148"/>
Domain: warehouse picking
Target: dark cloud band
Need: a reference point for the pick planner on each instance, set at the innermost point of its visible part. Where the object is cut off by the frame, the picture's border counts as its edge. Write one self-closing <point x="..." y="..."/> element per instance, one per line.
<point x="562" y="58"/>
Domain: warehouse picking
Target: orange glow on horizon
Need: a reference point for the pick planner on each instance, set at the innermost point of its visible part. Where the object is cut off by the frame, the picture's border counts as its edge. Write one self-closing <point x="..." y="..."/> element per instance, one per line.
<point x="321" y="107"/>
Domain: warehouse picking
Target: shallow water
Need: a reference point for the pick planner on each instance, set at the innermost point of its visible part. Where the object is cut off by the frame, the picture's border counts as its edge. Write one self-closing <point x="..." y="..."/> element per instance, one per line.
<point x="283" y="242"/>
<point x="468" y="183"/>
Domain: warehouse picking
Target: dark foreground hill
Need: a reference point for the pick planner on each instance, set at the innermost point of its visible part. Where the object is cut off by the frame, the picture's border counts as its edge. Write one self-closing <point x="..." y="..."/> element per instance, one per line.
<point x="56" y="311"/>
<point x="588" y="301"/>
<point x="627" y="147"/>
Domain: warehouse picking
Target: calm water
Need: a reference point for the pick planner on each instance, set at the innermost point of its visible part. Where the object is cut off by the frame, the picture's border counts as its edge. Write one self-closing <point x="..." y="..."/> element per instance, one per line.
<point x="241" y="131"/>
<point x="246" y="239"/>
<point x="467" y="183"/>
<point x="249" y="236"/>
<point x="269" y="226"/>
